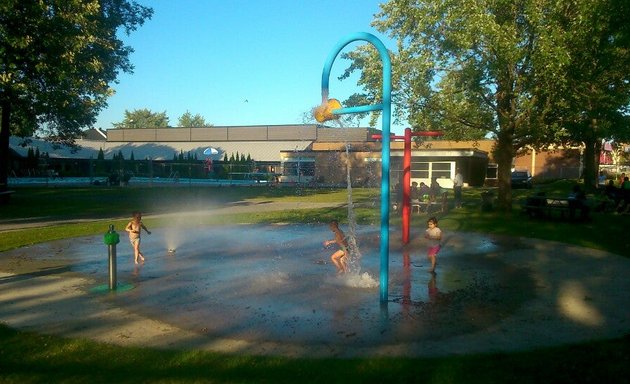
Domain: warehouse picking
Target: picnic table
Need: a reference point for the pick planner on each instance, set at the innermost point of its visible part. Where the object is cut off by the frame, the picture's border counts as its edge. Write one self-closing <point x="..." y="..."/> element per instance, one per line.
<point x="553" y="207"/>
<point x="428" y="206"/>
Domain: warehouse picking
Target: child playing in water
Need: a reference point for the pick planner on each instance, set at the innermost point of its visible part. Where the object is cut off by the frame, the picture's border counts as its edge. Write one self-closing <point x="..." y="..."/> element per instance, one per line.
<point x="339" y="258"/>
<point x="134" y="228"/>
<point x="434" y="236"/>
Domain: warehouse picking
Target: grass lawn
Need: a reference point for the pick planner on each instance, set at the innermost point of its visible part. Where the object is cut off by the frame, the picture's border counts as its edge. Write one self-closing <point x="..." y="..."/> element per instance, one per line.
<point x="33" y="358"/>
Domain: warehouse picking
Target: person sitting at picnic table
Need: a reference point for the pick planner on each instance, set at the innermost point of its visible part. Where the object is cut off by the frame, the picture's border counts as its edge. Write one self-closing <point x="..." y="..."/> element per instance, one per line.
<point x="435" y="189"/>
<point x="602" y="179"/>
<point x="624" y="196"/>
<point x="611" y="191"/>
<point x="577" y="200"/>
<point x="611" y="197"/>
<point x="425" y="191"/>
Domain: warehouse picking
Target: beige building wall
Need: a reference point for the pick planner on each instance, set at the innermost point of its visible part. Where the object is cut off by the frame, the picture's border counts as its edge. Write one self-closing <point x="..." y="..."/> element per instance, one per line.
<point x="209" y="134"/>
<point x="550" y="164"/>
<point x="292" y="132"/>
<point x="544" y="164"/>
<point x="172" y="134"/>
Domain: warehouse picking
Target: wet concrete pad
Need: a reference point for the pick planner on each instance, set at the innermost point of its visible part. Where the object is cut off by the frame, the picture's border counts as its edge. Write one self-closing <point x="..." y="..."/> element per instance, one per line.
<point x="270" y="289"/>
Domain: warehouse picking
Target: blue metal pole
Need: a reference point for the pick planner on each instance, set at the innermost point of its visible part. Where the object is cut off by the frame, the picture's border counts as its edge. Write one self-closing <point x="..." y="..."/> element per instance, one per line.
<point x="385" y="106"/>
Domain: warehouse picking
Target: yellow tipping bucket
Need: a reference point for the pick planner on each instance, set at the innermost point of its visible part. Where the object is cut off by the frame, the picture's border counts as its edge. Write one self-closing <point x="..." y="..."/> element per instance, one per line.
<point x="324" y="111"/>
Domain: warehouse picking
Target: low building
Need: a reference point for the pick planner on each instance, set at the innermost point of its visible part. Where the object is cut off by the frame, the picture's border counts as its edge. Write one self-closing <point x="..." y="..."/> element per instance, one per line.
<point x="303" y="153"/>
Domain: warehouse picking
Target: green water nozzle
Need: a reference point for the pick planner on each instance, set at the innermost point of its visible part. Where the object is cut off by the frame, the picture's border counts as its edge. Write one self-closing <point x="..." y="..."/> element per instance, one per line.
<point x="111" y="237"/>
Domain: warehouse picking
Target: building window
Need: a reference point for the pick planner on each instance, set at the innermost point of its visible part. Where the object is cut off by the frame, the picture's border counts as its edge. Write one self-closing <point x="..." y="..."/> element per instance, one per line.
<point x="433" y="169"/>
<point x="492" y="171"/>
<point x="420" y="170"/>
<point x="294" y="169"/>
<point x="441" y="170"/>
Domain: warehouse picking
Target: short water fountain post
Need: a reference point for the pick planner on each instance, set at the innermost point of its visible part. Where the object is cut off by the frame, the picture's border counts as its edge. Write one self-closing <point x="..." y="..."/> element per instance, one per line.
<point x="111" y="238"/>
<point x="406" y="207"/>
<point x="332" y="107"/>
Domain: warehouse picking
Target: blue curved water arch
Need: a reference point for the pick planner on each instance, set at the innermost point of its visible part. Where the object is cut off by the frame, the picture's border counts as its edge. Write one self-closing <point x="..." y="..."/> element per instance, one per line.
<point x="384" y="106"/>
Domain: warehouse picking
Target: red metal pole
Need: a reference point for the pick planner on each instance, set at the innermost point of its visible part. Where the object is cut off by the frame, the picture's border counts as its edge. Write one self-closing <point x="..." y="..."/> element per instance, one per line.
<point x="406" y="206"/>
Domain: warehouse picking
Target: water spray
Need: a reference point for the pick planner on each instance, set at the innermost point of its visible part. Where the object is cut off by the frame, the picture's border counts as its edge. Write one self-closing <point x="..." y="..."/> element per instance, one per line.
<point x="324" y="112"/>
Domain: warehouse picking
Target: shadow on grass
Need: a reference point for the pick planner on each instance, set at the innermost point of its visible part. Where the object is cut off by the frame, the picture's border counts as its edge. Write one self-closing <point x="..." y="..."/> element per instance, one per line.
<point x="32" y="358"/>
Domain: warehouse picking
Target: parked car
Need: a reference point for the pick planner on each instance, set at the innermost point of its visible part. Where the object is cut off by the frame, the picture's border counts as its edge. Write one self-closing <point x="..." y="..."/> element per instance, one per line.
<point x="521" y="179"/>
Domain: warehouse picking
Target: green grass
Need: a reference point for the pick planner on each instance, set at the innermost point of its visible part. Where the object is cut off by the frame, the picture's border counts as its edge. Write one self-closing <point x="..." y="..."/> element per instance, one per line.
<point x="33" y="358"/>
<point x="101" y="202"/>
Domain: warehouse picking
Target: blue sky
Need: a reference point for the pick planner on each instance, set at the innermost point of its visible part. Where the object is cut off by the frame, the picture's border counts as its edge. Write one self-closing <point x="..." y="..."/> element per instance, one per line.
<point x="238" y="62"/>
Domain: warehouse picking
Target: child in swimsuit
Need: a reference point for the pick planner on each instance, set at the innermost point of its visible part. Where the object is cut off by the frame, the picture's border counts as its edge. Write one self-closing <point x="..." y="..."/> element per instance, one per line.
<point x="134" y="227"/>
<point x="339" y="258"/>
<point x="433" y="234"/>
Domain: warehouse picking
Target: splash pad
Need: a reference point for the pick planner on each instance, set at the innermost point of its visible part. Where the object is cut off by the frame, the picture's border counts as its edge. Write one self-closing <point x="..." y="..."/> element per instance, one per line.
<point x="263" y="284"/>
<point x="269" y="289"/>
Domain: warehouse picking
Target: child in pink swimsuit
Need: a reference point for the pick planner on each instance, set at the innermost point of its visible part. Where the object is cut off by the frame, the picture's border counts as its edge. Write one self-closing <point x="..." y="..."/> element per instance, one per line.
<point x="433" y="234"/>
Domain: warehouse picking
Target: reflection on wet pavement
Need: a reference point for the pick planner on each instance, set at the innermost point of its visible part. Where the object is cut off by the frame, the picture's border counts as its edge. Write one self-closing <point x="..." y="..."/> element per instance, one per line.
<point x="275" y="282"/>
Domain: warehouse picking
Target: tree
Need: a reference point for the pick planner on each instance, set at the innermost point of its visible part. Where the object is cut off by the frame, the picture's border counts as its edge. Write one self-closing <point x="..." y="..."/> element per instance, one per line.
<point x="594" y="102"/>
<point x="100" y="162"/>
<point x="32" y="158"/>
<point x="143" y="118"/>
<point x="57" y="61"/>
<point x="478" y="67"/>
<point x="190" y="121"/>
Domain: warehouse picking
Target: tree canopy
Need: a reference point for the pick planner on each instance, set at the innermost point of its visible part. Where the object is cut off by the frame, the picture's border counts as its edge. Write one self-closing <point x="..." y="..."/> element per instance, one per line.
<point x="143" y="118"/>
<point x="58" y="61"/>
<point x="190" y="121"/>
<point x="498" y="68"/>
<point x="593" y="102"/>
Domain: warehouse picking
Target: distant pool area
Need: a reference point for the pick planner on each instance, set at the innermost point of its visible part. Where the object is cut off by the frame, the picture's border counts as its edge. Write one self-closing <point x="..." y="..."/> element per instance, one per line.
<point x="144" y="181"/>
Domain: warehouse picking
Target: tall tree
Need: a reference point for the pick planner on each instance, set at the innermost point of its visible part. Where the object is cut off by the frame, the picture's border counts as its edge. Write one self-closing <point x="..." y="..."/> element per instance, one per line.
<point x="143" y="118"/>
<point x="482" y="66"/>
<point x="190" y="121"/>
<point x="57" y="61"/>
<point x="595" y="100"/>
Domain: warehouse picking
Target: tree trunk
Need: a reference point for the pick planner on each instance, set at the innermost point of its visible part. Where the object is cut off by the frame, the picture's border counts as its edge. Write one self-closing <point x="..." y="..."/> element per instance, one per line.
<point x="504" y="147"/>
<point x="592" y="148"/>
<point x="4" y="144"/>
<point x="503" y="155"/>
